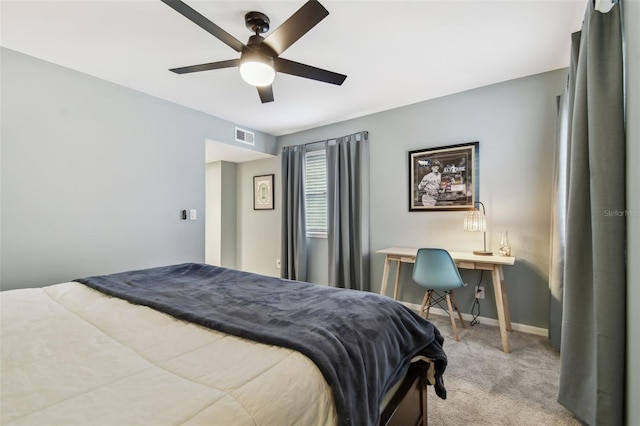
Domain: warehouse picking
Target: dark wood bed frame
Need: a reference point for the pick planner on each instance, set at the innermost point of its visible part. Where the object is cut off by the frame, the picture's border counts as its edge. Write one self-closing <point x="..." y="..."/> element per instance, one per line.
<point x="408" y="406"/>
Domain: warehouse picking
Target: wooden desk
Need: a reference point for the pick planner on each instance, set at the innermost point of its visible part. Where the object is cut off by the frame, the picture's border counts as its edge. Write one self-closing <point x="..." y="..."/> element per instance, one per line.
<point x="463" y="260"/>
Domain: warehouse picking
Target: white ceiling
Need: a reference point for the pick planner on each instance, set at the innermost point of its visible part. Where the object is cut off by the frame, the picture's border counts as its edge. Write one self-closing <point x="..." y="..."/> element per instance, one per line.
<point x="394" y="52"/>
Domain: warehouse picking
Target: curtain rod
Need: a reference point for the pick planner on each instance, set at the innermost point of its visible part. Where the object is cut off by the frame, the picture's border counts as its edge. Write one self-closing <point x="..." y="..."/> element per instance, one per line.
<point x="308" y="143"/>
<point x="326" y="141"/>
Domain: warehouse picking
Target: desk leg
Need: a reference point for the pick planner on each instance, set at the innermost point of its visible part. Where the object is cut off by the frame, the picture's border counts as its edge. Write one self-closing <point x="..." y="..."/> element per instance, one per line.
<point x="505" y="301"/>
<point x="500" y="307"/>
<point x="397" y="286"/>
<point x="385" y="275"/>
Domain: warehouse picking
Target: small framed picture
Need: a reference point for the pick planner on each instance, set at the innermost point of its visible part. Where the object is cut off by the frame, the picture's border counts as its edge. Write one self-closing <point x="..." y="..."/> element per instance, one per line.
<point x="444" y="178"/>
<point x="263" y="192"/>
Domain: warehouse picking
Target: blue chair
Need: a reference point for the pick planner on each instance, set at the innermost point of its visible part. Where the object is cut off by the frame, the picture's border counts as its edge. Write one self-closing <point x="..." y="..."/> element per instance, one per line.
<point x="436" y="271"/>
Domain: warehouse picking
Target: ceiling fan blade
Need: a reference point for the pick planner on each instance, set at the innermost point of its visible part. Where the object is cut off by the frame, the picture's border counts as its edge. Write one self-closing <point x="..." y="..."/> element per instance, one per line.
<point x="266" y="93"/>
<point x="307" y="71"/>
<point x="206" y="67"/>
<point x="205" y="24"/>
<point x="296" y="26"/>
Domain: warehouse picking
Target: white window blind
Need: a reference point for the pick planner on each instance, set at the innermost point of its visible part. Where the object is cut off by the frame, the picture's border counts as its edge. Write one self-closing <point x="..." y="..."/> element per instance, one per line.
<point x="315" y="190"/>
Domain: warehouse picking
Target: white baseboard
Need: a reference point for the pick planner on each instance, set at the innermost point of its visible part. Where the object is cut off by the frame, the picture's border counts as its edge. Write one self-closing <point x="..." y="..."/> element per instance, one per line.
<point x="538" y="331"/>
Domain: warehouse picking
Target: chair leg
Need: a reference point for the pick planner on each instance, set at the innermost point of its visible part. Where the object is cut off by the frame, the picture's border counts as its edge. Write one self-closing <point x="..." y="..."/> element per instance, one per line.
<point x="425" y="299"/>
<point x="455" y="303"/>
<point x="429" y="294"/>
<point x="453" y="319"/>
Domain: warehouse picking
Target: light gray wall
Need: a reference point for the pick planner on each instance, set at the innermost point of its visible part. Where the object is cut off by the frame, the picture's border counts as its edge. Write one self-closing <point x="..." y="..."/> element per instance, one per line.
<point x="213" y="220"/>
<point x="221" y="221"/>
<point x="631" y="19"/>
<point x="258" y="230"/>
<point x="514" y="122"/>
<point x="228" y="214"/>
<point x="94" y="175"/>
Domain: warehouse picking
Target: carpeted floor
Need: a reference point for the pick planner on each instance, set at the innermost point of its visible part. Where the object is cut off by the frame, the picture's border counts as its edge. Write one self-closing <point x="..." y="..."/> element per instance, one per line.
<point x="486" y="386"/>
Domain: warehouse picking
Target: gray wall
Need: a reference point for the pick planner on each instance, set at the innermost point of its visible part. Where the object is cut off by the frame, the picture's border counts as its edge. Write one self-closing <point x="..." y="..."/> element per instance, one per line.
<point x="632" y="27"/>
<point x="229" y="215"/>
<point x="258" y="230"/>
<point x="221" y="223"/>
<point x="94" y="175"/>
<point x="213" y="219"/>
<point x="514" y="122"/>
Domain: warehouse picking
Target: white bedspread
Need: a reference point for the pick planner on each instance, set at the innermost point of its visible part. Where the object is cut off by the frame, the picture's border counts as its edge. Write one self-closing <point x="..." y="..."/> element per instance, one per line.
<point x="73" y="356"/>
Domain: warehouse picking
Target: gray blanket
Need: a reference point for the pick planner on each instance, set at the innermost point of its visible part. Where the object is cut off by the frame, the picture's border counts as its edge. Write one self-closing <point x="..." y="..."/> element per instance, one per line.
<point x="361" y="342"/>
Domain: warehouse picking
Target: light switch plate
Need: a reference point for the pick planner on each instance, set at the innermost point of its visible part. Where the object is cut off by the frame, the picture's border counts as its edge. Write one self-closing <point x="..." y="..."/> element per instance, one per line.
<point x="193" y="214"/>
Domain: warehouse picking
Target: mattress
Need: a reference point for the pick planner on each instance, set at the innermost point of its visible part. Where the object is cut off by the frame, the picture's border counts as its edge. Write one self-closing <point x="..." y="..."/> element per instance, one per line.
<point x="74" y="356"/>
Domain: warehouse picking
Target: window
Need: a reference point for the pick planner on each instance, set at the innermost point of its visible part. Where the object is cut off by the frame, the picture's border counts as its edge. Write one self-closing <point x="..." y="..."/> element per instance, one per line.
<point x="315" y="192"/>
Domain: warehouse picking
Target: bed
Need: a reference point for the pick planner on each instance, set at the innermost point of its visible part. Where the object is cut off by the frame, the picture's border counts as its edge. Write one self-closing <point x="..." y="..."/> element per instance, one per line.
<point x="195" y="344"/>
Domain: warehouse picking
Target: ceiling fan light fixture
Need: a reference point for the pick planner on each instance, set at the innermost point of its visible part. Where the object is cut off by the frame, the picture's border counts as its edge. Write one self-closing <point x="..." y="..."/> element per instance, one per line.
<point x="257" y="70"/>
<point x="260" y="57"/>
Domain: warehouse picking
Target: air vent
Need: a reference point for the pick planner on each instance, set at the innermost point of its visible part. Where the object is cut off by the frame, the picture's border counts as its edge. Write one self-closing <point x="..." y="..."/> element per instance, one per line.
<point x="245" y="136"/>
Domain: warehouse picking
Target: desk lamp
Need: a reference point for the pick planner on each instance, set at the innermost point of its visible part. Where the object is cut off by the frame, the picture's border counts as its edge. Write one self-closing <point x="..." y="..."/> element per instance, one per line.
<point x="475" y="221"/>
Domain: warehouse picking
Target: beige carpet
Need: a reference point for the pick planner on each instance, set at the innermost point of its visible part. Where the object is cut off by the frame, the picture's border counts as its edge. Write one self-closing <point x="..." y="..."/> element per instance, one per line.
<point x="486" y="386"/>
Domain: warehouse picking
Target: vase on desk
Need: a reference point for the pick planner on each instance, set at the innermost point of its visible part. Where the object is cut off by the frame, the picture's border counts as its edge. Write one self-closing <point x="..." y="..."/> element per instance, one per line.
<point x="505" y="245"/>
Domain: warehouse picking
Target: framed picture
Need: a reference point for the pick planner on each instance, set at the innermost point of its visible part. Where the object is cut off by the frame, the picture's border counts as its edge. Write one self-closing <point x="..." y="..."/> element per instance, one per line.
<point x="444" y="178"/>
<point x="263" y="192"/>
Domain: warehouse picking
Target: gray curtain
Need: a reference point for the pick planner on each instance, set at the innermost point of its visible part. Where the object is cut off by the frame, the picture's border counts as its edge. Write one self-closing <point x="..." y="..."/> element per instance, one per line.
<point x="592" y="371"/>
<point x="564" y="120"/>
<point x="348" y="211"/>
<point x="558" y="221"/>
<point x="294" y="237"/>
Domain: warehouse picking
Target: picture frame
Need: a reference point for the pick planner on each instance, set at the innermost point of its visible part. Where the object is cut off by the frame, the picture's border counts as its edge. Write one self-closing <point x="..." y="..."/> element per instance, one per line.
<point x="263" y="194"/>
<point x="444" y="178"/>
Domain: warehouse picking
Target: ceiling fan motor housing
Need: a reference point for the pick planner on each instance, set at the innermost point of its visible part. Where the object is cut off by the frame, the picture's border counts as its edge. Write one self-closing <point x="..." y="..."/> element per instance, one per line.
<point x="257" y="22"/>
<point x="255" y="46"/>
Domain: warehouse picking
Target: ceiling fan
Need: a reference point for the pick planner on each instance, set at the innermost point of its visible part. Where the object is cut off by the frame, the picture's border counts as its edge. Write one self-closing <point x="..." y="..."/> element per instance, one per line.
<point x="260" y="57"/>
